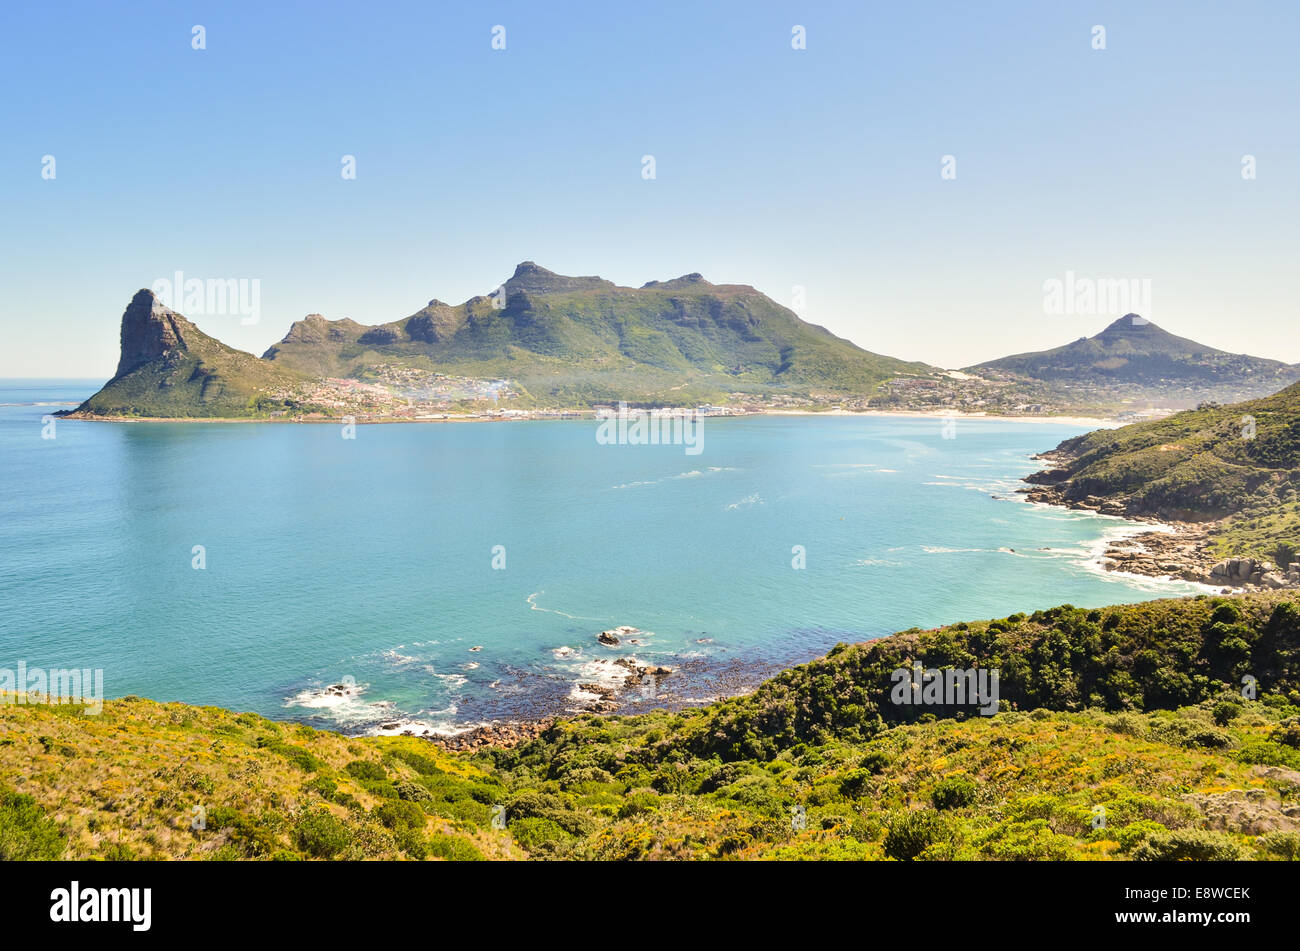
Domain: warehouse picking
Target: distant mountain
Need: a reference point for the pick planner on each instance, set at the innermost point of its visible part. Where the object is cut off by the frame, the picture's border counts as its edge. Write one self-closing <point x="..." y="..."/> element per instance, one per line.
<point x="1135" y="356"/>
<point x="580" y="340"/>
<point x="170" y="368"/>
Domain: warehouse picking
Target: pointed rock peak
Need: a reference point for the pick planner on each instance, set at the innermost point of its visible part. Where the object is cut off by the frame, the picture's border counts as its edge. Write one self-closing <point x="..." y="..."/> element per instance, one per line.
<point x="150" y="329"/>
<point x="146" y="301"/>
<point x="1129" y="322"/>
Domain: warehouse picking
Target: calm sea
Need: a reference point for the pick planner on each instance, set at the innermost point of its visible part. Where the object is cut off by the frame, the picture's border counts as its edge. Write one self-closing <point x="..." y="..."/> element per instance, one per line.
<point x="383" y="561"/>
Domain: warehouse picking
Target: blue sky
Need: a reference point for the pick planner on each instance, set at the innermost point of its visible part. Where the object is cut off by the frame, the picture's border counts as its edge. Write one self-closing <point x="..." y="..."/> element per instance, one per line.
<point x="774" y="167"/>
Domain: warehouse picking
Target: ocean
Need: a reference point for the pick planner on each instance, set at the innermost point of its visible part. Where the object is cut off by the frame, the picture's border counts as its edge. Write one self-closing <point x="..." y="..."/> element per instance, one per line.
<point x="444" y="575"/>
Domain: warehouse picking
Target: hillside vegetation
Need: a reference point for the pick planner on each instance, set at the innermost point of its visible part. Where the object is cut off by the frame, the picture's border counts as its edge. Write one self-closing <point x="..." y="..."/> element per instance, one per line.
<point x="1122" y="733"/>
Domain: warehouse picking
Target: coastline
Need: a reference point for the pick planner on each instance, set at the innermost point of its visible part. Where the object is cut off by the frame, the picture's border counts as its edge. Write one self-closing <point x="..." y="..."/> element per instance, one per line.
<point x="1096" y="422"/>
<point x="1168" y="550"/>
<point x="1092" y="422"/>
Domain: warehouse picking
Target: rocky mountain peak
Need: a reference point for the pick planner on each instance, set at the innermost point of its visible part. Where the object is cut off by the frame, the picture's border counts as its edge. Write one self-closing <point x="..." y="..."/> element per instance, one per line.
<point x="686" y="280"/>
<point x="531" y="278"/>
<point x="150" y="330"/>
<point x="1131" y="322"/>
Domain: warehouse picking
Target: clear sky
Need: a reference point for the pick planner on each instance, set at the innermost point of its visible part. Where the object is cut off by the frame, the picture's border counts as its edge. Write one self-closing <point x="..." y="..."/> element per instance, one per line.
<point x="774" y="167"/>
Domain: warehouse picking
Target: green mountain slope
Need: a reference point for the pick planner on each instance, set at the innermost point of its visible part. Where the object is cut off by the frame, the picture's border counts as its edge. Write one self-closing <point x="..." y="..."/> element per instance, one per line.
<point x="1135" y="356"/>
<point x="1132" y="715"/>
<point x="1238" y="463"/>
<point x="170" y="368"/>
<point x="579" y="340"/>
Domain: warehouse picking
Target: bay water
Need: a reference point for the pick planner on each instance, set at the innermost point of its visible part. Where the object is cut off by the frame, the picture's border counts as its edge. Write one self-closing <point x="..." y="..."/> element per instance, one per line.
<point x="451" y="574"/>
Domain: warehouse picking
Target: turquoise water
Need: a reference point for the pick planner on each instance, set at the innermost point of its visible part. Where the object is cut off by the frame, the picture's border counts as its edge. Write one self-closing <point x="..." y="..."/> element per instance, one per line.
<point x="372" y="558"/>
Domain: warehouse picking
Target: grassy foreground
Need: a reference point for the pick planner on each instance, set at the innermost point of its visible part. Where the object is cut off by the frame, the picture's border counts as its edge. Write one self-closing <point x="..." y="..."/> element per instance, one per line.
<point x="1122" y="733"/>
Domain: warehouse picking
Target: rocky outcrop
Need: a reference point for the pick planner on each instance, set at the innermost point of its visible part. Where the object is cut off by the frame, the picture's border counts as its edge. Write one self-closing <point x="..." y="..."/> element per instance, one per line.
<point x="530" y="278"/>
<point x="1244" y="572"/>
<point x="618" y="678"/>
<point x="379" y="336"/>
<point x="1246" y="811"/>
<point x="150" y="331"/>
<point x="316" y="329"/>
<point x="494" y="735"/>
<point x="1185" y="553"/>
<point x="1182" y="553"/>
<point x="615" y="637"/>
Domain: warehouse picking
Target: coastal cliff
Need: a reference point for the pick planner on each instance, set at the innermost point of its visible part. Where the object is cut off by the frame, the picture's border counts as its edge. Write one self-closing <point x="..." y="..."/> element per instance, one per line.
<point x="168" y="368"/>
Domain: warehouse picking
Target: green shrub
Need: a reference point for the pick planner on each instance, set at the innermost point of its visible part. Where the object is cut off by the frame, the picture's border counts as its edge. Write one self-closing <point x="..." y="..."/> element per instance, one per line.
<point x="1226" y="613"/>
<point x="412" y="842"/>
<point x="855" y="783"/>
<point x="324" y="787"/>
<point x="454" y="848"/>
<point x="1026" y="841"/>
<point x="413" y="792"/>
<point x="300" y="757"/>
<point x="249" y="835"/>
<point x="320" y="834"/>
<point x="303" y="759"/>
<point x="1135" y="833"/>
<point x="1225" y="712"/>
<point x="535" y="833"/>
<point x="1284" y="845"/>
<point x="366" y="770"/>
<point x="400" y="814"/>
<point x="1287" y="733"/>
<point x="911" y="833"/>
<point x="25" y="831"/>
<point x="1176" y="845"/>
<point x="955" y="792"/>
<point x="876" y="762"/>
<point x="1207" y="738"/>
<point x="638" y="802"/>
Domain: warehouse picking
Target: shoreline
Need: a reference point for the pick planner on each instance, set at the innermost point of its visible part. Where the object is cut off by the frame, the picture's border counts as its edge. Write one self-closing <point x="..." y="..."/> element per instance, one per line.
<point x="1094" y="422"/>
<point x="1098" y="422"/>
<point x="1167" y="550"/>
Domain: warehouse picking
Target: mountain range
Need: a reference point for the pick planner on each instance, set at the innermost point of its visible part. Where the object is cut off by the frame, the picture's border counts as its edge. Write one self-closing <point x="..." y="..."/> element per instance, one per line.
<point x="545" y="340"/>
<point x="578" y="340"/>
